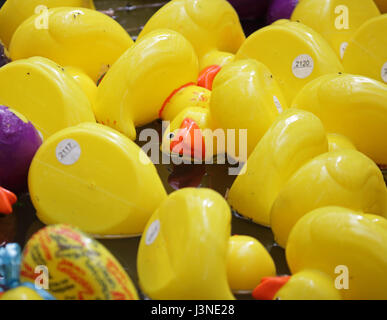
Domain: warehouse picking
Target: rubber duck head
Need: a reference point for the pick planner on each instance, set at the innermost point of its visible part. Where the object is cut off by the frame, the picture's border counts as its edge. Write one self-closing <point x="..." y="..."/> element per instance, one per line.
<point x="344" y="178"/>
<point x="14" y="12"/>
<point x="183" y="251"/>
<point x="82" y="267"/>
<point x="7" y="199"/>
<point x="210" y="25"/>
<point x="326" y="254"/>
<point x="343" y="102"/>
<point x="68" y="25"/>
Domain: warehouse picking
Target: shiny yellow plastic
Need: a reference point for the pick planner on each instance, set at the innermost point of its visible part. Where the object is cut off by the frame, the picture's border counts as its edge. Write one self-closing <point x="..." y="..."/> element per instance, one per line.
<point x="366" y="53"/>
<point x="191" y="96"/>
<point x="309" y="285"/>
<point x="248" y="262"/>
<point x="245" y="95"/>
<point x="344" y="178"/>
<point x="21" y="293"/>
<point x="101" y="182"/>
<point x="335" y="20"/>
<point x="136" y="87"/>
<point x="77" y="37"/>
<point x="14" y="12"/>
<point x="339" y="142"/>
<point x="45" y="94"/>
<point x="216" y="58"/>
<point x="183" y="251"/>
<point x="208" y="24"/>
<point x="279" y="46"/>
<point x="87" y="85"/>
<point x="293" y="139"/>
<point x="353" y="106"/>
<point x="333" y="236"/>
<point x="79" y="267"/>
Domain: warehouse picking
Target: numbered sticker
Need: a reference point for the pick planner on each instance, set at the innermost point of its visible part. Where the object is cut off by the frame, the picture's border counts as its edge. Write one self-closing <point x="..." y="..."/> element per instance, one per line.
<point x="153" y="232"/>
<point x="303" y="66"/>
<point x="384" y="72"/>
<point x="68" y="152"/>
<point x="343" y="47"/>
<point x="277" y="104"/>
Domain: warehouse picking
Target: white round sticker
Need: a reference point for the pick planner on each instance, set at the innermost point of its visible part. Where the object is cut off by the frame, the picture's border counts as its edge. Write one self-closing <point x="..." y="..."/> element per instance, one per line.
<point x="153" y="232"/>
<point x="343" y="47"/>
<point x="384" y="72"/>
<point x="303" y="66"/>
<point x="277" y="104"/>
<point x="68" y="152"/>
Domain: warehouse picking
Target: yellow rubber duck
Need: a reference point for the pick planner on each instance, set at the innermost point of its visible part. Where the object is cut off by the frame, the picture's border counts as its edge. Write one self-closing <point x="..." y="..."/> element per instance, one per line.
<point x="247" y="84"/>
<point x="366" y="53"/>
<point x="77" y="37"/>
<point x="79" y="267"/>
<point x="339" y="142"/>
<point x="129" y="96"/>
<point x="45" y="94"/>
<point x="335" y="20"/>
<point x="189" y="261"/>
<point x="344" y="178"/>
<point x="295" y="137"/>
<point x="333" y="253"/>
<point x="247" y="263"/>
<point x="212" y="27"/>
<point x="94" y="178"/>
<point x="14" y="12"/>
<point x="294" y="53"/>
<point x="354" y="106"/>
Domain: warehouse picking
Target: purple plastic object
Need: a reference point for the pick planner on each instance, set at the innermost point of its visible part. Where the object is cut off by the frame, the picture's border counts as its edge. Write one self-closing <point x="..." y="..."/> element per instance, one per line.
<point x="250" y="9"/>
<point x="280" y="9"/>
<point x="18" y="143"/>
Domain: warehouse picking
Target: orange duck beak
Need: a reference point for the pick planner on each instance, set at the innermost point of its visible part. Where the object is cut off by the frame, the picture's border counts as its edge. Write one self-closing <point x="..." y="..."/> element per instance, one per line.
<point x="269" y="287"/>
<point x="207" y="76"/>
<point x="7" y="199"/>
<point x="189" y="140"/>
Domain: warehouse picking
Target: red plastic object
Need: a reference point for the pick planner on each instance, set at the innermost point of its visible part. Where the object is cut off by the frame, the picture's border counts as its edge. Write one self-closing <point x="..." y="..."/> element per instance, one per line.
<point x="268" y="287"/>
<point x="207" y="76"/>
<point x="7" y="199"/>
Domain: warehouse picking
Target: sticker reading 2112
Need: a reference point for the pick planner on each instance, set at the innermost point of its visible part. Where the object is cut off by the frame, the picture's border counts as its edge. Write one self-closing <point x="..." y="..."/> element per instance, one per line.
<point x="302" y="66"/>
<point x="68" y="152"/>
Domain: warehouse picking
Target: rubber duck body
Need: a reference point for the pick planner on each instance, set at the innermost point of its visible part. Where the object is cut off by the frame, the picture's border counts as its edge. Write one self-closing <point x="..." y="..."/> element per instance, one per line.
<point x="324" y="270"/>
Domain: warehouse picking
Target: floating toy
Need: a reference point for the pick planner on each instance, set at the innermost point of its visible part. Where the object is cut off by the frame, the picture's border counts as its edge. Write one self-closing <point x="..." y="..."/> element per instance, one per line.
<point x="244" y="95"/>
<point x="280" y="9"/>
<point x="14" y="12"/>
<point x="129" y="96"/>
<point x="94" y="178"/>
<point x="19" y="141"/>
<point x="294" y="138"/>
<point x="353" y="106"/>
<point x="79" y="267"/>
<point x="10" y="259"/>
<point x="4" y="55"/>
<point x="344" y="178"/>
<point x="7" y="200"/>
<point x="210" y="25"/>
<point x="247" y="263"/>
<point x="366" y="53"/>
<point x="77" y="37"/>
<point x="335" y="20"/>
<point x="294" y="53"/>
<point x="339" y="142"/>
<point x="45" y="94"/>
<point x="87" y="85"/>
<point x="183" y="251"/>
<point x="325" y="254"/>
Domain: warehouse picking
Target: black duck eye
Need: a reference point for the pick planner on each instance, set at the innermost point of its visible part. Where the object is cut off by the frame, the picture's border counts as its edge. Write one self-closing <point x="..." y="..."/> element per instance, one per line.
<point x="171" y="135"/>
